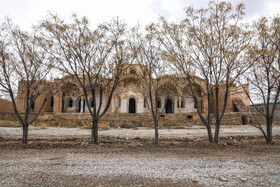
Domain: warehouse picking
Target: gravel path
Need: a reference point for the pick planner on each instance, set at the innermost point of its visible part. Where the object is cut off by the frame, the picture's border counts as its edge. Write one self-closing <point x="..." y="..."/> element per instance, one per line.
<point x="48" y="168"/>
<point x="111" y="165"/>
<point x="190" y="132"/>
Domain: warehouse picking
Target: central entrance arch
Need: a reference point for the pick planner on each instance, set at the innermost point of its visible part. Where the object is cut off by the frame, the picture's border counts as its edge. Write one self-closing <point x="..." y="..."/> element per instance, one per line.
<point x="132" y="106"/>
<point x="168" y="106"/>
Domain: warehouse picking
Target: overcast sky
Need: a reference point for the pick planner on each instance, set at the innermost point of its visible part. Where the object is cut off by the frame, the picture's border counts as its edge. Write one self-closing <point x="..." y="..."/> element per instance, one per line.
<point x="28" y="12"/>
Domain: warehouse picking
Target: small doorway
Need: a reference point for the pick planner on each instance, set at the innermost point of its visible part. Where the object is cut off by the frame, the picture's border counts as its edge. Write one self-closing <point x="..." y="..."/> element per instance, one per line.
<point x="132" y="105"/>
<point x="244" y="120"/>
<point x="168" y="106"/>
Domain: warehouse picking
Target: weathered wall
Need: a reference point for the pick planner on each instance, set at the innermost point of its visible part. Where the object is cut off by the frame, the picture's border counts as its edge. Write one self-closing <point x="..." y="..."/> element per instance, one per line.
<point x="21" y="99"/>
<point x="6" y="106"/>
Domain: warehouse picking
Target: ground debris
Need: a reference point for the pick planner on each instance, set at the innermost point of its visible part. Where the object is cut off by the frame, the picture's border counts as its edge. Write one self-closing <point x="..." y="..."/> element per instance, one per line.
<point x="136" y="161"/>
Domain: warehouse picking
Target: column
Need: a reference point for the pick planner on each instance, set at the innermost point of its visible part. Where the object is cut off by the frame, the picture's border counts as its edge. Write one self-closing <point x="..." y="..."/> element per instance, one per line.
<point x="82" y="104"/>
<point x="162" y="104"/>
<point x="180" y="101"/>
<point x="60" y="108"/>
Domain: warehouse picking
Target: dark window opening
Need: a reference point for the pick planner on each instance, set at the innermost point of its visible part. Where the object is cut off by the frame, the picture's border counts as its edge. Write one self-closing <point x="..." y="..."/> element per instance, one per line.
<point x="168" y="106"/>
<point x="33" y="105"/>
<point x="159" y="103"/>
<point x="52" y="101"/>
<point x="244" y="120"/>
<point x="132" y="105"/>
<point x="183" y="103"/>
<point x="70" y="103"/>
<point x="189" y="117"/>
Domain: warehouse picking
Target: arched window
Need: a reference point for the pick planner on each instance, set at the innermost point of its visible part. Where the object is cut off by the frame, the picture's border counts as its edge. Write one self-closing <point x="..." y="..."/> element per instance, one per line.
<point x="168" y="106"/>
<point x="158" y="102"/>
<point x="132" y="105"/>
<point x="69" y="102"/>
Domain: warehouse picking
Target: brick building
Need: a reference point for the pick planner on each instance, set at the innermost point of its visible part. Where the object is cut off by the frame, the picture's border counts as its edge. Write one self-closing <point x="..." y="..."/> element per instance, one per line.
<point x="128" y="99"/>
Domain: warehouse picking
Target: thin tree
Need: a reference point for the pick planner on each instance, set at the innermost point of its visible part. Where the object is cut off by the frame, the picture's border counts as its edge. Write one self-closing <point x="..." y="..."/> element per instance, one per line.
<point x="264" y="76"/>
<point x="24" y="68"/>
<point x="212" y="43"/>
<point x="152" y="82"/>
<point x="95" y="58"/>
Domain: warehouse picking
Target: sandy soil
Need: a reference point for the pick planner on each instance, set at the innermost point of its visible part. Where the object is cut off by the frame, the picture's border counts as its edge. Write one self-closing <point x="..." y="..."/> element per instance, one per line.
<point x="125" y="157"/>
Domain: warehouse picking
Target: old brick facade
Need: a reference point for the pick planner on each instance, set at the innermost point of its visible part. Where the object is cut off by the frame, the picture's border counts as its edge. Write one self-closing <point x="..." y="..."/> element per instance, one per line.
<point x="128" y="99"/>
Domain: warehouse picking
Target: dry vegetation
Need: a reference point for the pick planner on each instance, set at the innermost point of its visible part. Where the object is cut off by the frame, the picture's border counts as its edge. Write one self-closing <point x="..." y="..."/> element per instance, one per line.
<point x="44" y="121"/>
<point x="229" y="146"/>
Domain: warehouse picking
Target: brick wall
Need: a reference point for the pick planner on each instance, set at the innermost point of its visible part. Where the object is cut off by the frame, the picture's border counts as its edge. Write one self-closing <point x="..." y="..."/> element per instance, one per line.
<point x="6" y="106"/>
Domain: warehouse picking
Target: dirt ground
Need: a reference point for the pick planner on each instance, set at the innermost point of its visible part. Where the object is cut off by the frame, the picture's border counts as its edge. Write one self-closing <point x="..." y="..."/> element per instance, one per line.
<point x="129" y="158"/>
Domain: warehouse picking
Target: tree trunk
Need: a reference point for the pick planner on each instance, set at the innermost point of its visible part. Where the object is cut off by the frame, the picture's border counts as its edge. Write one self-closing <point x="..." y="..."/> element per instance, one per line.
<point x="217" y="130"/>
<point x="94" y="132"/>
<point x="210" y="137"/>
<point x="25" y="133"/>
<point x="269" y="130"/>
<point x="156" y="132"/>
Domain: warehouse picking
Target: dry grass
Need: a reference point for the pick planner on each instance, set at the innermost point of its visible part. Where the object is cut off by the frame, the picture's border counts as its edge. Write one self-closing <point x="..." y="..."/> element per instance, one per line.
<point x="44" y="121"/>
<point x="9" y="123"/>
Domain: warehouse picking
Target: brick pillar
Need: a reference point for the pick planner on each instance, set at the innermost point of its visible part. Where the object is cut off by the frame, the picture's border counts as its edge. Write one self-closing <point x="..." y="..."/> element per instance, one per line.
<point x="180" y="100"/>
<point x="82" y="104"/>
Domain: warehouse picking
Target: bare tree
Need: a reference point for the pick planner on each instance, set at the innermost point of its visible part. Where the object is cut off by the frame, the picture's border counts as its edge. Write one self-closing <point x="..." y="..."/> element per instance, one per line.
<point x="24" y="65"/>
<point x="153" y="68"/>
<point x="264" y="76"/>
<point x="95" y="58"/>
<point x="212" y="43"/>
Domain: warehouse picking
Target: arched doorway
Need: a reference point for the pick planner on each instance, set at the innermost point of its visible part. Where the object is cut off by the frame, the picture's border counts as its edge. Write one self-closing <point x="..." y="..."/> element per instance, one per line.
<point x="168" y="106"/>
<point x="132" y="105"/>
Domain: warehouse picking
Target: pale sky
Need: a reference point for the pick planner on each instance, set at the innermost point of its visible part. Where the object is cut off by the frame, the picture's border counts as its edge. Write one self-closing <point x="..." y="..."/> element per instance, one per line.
<point x="28" y="12"/>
